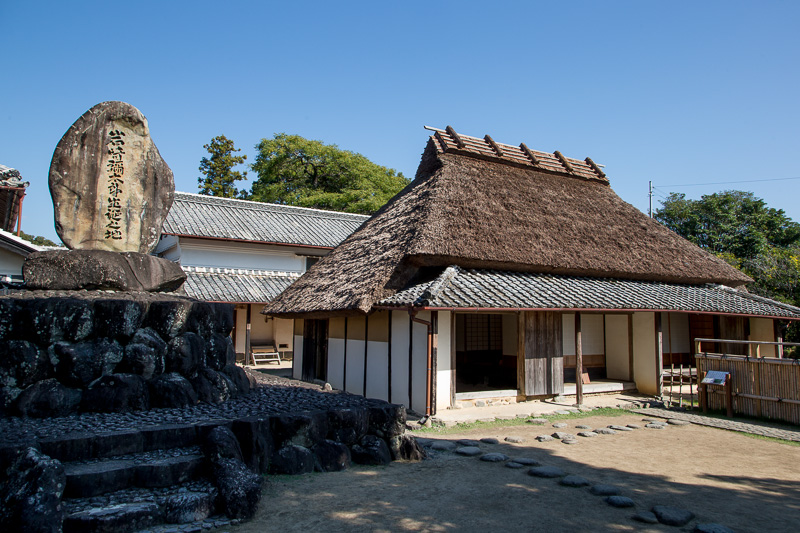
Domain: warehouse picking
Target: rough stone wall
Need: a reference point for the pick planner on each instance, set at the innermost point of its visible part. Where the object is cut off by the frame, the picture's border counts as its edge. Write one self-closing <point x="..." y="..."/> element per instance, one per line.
<point x="68" y="351"/>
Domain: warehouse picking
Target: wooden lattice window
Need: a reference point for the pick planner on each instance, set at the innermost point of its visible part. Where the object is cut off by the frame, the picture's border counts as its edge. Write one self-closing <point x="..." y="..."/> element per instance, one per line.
<point x="483" y="333"/>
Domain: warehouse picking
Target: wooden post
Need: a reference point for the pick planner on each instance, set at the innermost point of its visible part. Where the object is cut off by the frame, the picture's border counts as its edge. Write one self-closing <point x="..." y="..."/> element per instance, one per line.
<point x="757" y="385"/>
<point x="366" y="352"/>
<point x="659" y="356"/>
<point x="701" y="391"/>
<point x="729" y="394"/>
<point x="389" y="355"/>
<point x="247" y="354"/>
<point x="578" y="361"/>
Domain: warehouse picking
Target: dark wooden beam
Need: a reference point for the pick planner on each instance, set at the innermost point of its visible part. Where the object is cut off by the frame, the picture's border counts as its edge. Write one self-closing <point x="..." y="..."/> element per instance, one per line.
<point x="578" y="361"/>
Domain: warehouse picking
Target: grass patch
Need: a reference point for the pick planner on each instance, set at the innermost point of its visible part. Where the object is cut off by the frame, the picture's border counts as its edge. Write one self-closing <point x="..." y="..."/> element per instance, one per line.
<point x="442" y="430"/>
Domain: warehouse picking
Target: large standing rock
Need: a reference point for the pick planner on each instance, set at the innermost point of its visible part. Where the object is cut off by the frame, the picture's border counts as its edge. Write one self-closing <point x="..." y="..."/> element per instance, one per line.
<point x="115" y="393"/>
<point x="239" y="488"/>
<point x="74" y="270"/>
<point x="23" y="361"/>
<point x="371" y="450"/>
<point x="30" y="500"/>
<point x="48" y="398"/>
<point x="81" y="363"/>
<point x="111" y="189"/>
<point x="171" y="390"/>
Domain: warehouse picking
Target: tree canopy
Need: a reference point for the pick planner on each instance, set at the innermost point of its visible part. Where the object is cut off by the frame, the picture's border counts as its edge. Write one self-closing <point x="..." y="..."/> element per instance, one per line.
<point x="733" y="222"/>
<point x="220" y="178"/>
<point x="293" y="170"/>
<point x="36" y="239"/>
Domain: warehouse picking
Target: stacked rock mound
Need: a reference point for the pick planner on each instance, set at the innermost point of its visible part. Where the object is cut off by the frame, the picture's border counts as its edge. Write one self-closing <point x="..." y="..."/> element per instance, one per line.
<point x="68" y="351"/>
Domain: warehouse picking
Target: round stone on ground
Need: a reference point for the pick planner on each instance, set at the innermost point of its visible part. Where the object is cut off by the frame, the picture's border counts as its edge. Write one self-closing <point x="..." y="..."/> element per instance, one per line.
<point x="649" y="420"/>
<point x="562" y="435"/>
<point x="656" y="426"/>
<point x="514" y="464"/>
<point x="537" y="421"/>
<point x="563" y="412"/>
<point x="711" y="528"/>
<point x="527" y="461"/>
<point x="546" y="471"/>
<point x="514" y="440"/>
<point x="443" y="445"/>
<point x="619" y="428"/>
<point x="634" y="426"/>
<point x="573" y="440"/>
<point x="560" y="425"/>
<point x="468" y="442"/>
<point x="645" y="516"/>
<point x="494" y="457"/>
<point x="587" y="434"/>
<point x="544" y="438"/>
<point x="672" y="516"/>
<point x="676" y="422"/>
<point x="605" y="431"/>
<point x="619" y="501"/>
<point x="583" y="426"/>
<point x="604" y="490"/>
<point x="490" y="440"/>
<point x="574" y="481"/>
<point x="469" y="451"/>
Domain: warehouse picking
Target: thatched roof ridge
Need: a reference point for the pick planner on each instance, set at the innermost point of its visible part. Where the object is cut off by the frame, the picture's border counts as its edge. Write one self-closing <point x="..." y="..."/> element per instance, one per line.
<point x="476" y="212"/>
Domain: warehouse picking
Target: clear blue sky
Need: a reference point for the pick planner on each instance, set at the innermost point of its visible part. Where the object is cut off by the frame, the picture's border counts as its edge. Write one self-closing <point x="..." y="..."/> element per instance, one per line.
<point x="673" y="92"/>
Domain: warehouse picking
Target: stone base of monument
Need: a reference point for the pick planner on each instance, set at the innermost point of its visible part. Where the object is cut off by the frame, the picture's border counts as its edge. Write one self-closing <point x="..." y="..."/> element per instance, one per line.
<point x="101" y="270"/>
<point x="72" y="351"/>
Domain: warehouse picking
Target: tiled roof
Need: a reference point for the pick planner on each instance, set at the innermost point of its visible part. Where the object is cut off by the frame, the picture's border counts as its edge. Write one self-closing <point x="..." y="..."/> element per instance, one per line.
<point x="235" y="285"/>
<point x="448" y="140"/>
<point x="491" y="289"/>
<point x="224" y="218"/>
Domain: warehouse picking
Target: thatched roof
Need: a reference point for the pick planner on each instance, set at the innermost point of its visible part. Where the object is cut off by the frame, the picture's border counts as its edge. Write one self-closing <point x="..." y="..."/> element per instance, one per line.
<point x="481" y="204"/>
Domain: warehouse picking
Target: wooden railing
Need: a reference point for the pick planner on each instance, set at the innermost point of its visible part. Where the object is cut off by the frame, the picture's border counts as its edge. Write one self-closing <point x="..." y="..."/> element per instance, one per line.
<point x="754" y="347"/>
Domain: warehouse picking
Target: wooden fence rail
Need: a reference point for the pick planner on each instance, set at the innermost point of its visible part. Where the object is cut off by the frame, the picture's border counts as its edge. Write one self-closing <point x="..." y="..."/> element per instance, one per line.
<point x="762" y="387"/>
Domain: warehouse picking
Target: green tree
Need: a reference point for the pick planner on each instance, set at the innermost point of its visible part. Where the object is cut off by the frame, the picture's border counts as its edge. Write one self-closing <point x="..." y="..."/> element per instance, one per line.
<point x="218" y="170"/>
<point x="36" y="239"/>
<point x="293" y="170"/>
<point x="734" y="222"/>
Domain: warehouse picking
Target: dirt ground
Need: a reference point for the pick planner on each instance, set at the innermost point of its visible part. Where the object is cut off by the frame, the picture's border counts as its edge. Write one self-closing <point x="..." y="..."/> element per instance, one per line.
<point x="744" y="483"/>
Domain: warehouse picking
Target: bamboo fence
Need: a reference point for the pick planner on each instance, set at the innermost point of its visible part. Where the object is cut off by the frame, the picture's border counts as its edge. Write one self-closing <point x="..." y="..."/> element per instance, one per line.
<point x="763" y="387"/>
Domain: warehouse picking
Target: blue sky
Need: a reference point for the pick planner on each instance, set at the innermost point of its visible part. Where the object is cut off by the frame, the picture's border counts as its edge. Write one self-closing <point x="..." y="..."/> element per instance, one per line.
<point x="674" y="92"/>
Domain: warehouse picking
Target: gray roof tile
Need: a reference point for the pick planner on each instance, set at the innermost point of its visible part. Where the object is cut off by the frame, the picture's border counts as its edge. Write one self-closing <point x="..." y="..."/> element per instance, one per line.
<point x="225" y="218"/>
<point x="468" y="288"/>
<point x="234" y="285"/>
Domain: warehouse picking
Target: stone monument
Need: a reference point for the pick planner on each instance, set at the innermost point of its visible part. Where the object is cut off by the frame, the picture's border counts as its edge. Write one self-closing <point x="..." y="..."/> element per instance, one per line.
<point x="111" y="192"/>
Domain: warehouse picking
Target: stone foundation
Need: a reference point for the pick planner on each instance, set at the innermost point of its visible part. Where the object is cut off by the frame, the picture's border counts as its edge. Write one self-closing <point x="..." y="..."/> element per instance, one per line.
<point x="63" y="352"/>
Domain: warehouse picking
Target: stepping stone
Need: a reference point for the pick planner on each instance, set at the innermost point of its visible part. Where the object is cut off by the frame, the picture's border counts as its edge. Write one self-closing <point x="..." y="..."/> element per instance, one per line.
<point x="120" y="517"/>
<point x="583" y="426"/>
<point x="544" y="438"/>
<point x="587" y="434"/>
<point x="573" y="411"/>
<point x="619" y="501"/>
<point x="506" y="417"/>
<point x="634" y="426"/>
<point x="514" y="440"/>
<point x="494" y="457"/>
<point x="558" y="425"/>
<point x="656" y="426"/>
<point x="573" y="440"/>
<point x="604" y="490"/>
<point x="537" y="421"/>
<point x="650" y="420"/>
<point x="585" y="409"/>
<point x="443" y="445"/>
<point x="469" y="451"/>
<point x="561" y="435"/>
<point x="645" y="516"/>
<point x="619" y="428"/>
<point x="490" y="440"/>
<point x="605" y="431"/>
<point x="468" y="442"/>
<point x="514" y="464"/>
<point x="676" y="422"/>
<point x="526" y="461"/>
<point x="563" y="412"/>
<point x="546" y="471"/>
<point x="711" y="528"/>
<point x="672" y="516"/>
<point x="522" y="415"/>
<point x="574" y="481"/>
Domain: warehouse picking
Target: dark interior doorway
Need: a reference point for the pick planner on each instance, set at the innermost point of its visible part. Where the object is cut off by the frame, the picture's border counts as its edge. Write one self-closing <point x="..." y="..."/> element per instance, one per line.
<point x="480" y="362"/>
<point x="315" y="350"/>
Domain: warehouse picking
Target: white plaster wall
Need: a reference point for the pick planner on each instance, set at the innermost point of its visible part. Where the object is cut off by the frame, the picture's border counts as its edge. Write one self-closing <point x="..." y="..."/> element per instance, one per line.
<point x="354" y="380"/>
<point x="644" y="352"/>
<point x="400" y="358"/>
<point x="241" y="330"/>
<point x="444" y="369"/>
<point x="336" y="363"/>
<point x="420" y="363"/>
<point x="761" y="330"/>
<point x="284" y="332"/>
<point x="675" y="330"/>
<point x="591" y="333"/>
<point x="222" y="254"/>
<point x="261" y="328"/>
<point x="617" y="360"/>
<point x="10" y="264"/>
<point x="168" y="247"/>
<point x="297" y="362"/>
<point x="378" y="370"/>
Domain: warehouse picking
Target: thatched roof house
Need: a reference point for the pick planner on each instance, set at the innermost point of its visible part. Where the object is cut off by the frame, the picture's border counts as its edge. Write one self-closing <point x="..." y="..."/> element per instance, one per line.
<point x="481" y="204"/>
<point x="478" y="278"/>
